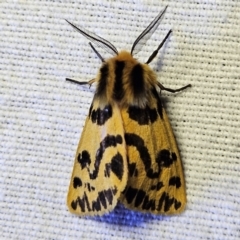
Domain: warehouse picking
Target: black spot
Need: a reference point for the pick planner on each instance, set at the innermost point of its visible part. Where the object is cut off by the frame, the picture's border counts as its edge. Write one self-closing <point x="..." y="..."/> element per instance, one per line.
<point x="100" y="116"/>
<point x="130" y="194"/>
<point x="165" y="158"/>
<point x="84" y="159"/>
<point x="139" y="198"/>
<point x="148" y="204"/>
<point x="177" y="204"/>
<point x="142" y="115"/>
<point x="77" y="182"/>
<point x="117" y="165"/>
<point x="136" y="141"/>
<point x="102" y="83"/>
<point x="118" y="92"/>
<point x="175" y="181"/>
<point x="159" y="103"/>
<point x="137" y="80"/>
<point x="168" y="203"/>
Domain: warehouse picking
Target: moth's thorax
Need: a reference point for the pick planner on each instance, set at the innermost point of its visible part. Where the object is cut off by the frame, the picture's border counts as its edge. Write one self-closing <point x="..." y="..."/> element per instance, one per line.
<point x="124" y="80"/>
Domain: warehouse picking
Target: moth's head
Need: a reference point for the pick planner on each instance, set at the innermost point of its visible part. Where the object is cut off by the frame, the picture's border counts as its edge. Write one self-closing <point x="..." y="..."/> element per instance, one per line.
<point x="124" y="56"/>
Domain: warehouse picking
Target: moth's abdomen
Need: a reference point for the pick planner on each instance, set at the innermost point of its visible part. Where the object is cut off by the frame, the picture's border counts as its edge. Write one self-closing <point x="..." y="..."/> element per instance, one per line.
<point x="124" y="80"/>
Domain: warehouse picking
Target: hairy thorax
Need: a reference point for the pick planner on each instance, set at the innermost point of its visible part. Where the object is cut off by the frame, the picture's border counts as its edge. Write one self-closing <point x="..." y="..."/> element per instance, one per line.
<point x="124" y="80"/>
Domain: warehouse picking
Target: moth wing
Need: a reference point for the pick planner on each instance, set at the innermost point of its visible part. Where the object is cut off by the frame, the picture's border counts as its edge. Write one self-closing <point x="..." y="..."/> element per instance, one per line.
<point x="155" y="182"/>
<point x="100" y="168"/>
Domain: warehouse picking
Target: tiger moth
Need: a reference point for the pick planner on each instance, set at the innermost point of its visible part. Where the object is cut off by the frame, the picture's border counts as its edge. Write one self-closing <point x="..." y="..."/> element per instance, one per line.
<point x="127" y="151"/>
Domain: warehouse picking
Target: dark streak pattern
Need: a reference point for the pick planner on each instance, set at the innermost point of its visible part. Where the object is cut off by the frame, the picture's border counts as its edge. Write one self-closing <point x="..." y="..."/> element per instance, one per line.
<point x="102" y="83"/>
<point x="164" y="159"/>
<point x="137" y="80"/>
<point x="104" y="198"/>
<point x="108" y="141"/>
<point x="142" y="199"/>
<point x="132" y="170"/>
<point x="136" y="141"/>
<point x="143" y="116"/>
<point x="100" y="116"/>
<point x="118" y="92"/>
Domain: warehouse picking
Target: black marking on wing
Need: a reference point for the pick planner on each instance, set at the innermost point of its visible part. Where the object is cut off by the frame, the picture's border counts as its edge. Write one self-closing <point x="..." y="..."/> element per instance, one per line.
<point x="100" y="116"/>
<point x="175" y="181"/>
<point x="132" y="170"/>
<point x="177" y="204"/>
<point x="77" y="182"/>
<point x="117" y="165"/>
<point x="118" y="92"/>
<point x="83" y="203"/>
<point x="84" y="159"/>
<point x="166" y="202"/>
<point x="148" y="203"/>
<point x="130" y="193"/>
<point x="140" y="197"/>
<point x="137" y="80"/>
<point x="157" y="187"/>
<point x="142" y="115"/>
<point x="164" y="157"/>
<point x="117" y="161"/>
<point x="102" y="83"/>
<point x="104" y="198"/>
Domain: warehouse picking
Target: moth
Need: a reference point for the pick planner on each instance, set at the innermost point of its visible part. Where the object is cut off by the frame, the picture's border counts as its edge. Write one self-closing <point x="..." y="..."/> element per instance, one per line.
<point x="127" y="151"/>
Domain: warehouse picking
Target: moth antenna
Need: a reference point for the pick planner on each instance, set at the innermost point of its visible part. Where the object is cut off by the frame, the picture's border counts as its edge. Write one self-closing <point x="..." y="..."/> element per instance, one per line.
<point x="147" y="33"/>
<point x="98" y="54"/>
<point x="173" y="90"/>
<point x="99" y="41"/>
<point x="154" y="54"/>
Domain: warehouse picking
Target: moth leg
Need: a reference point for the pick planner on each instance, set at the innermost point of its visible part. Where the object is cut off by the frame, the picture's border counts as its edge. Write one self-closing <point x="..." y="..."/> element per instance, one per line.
<point x="82" y="83"/>
<point x="173" y="90"/>
<point x="154" y="54"/>
<point x="98" y="54"/>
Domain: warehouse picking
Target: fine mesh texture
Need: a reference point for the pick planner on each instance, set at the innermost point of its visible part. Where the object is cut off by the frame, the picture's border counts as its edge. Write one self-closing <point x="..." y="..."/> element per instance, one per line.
<point x="42" y="115"/>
